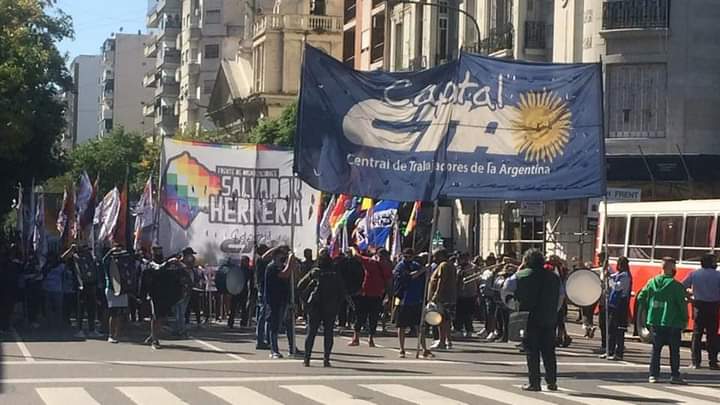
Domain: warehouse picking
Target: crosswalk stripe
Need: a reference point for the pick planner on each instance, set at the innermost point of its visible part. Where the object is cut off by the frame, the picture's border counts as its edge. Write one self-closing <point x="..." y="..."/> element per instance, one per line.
<point x="411" y="394"/>
<point x="240" y="395"/>
<point x="650" y="393"/>
<point x="325" y="395"/>
<point x="495" y="394"/>
<point x="151" y="396"/>
<point x="698" y="390"/>
<point x="576" y="396"/>
<point x="65" y="396"/>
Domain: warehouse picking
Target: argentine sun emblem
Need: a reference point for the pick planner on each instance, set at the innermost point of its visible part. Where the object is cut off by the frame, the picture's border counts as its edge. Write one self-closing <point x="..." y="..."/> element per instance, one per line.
<point x="541" y="126"/>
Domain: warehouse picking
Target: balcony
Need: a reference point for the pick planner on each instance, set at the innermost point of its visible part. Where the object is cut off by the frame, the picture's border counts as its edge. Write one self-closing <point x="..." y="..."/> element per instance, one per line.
<point x="297" y="22"/>
<point x="535" y="35"/>
<point x="193" y="66"/>
<point x="106" y="112"/>
<point x="107" y="75"/>
<point x="165" y="116"/>
<point x="167" y="88"/>
<point x="148" y="110"/>
<point x="150" y="79"/>
<point x="151" y="49"/>
<point x="635" y="14"/>
<point x="170" y="56"/>
<point x="169" y="33"/>
<point x="499" y="39"/>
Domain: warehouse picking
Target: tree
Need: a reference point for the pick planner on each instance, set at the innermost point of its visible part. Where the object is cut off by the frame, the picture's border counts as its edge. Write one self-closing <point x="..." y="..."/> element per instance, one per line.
<point x="32" y="78"/>
<point x="114" y="155"/>
<point x="276" y="131"/>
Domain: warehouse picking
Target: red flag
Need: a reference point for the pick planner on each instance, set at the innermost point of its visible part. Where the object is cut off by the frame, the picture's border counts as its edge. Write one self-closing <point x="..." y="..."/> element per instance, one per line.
<point x="120" y="235"/>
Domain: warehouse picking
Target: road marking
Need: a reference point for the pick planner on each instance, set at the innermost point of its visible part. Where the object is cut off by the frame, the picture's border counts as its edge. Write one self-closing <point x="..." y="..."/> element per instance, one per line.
<point x="151" y="396"/>
<point x="581" y="397"/>
<point x="495" y="394"/>
<point x="303" y="378"/>
<point x="217" y="349"/>
<point x="411" y="394"/>
<point x="572" y="354"/>
<point x="65" y="396"/>
<point x="325" y="395"/>
<point x="649" y="393"/>
<point x="698" y="390"/>
<point x="240" y="396"/>
<point x="23" y="348"/>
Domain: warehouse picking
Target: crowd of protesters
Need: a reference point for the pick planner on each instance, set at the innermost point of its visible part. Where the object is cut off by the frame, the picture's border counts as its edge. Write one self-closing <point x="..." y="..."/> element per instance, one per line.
<point x="360" y="291"/>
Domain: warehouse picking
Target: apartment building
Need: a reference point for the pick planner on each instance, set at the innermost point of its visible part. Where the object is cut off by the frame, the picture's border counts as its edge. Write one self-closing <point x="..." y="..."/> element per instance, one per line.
<point x="265" y="75"/>
<point x="122" y="94"/>
<point x="660" y="61"/>
<point x="364" y="27"/>
<point x="82" y="100"/>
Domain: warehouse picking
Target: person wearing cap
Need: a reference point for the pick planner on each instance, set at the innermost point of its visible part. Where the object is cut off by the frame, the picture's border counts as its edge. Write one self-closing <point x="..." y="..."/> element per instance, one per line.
<point x="664" y="299"/>
<point x="704" y="283"/>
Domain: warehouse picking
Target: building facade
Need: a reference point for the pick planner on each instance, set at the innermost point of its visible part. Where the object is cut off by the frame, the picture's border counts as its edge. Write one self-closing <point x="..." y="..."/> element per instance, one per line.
<point x="83" y="100"/>
<point x="122" y="94"/>
<point x="264" y="77"/>
<point x="661" y="91"/>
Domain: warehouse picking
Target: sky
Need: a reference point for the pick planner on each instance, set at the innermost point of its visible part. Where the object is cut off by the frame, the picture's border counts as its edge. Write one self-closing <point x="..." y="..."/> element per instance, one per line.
<point x="94" y="20"/>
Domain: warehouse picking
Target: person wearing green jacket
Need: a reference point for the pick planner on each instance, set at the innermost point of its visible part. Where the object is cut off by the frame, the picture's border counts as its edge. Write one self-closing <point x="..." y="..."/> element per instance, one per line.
<point x="664" y="298"/>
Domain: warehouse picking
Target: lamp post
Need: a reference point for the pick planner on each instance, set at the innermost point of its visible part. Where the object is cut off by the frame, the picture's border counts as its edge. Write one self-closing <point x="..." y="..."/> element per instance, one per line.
<point x="392" y="3"/>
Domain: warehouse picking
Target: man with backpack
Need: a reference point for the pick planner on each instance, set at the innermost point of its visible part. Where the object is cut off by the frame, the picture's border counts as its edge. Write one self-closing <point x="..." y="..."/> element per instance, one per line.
<point x="322" y="290"/>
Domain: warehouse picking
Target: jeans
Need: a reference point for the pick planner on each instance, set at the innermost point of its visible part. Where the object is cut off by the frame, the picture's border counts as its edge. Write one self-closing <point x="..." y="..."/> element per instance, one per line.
<point x="664" y="335"/>
<point x="705" y="315"/>
<point x="180" y="308"/>
<point x="238" y="302"/>
<point x="540" y="341"/>
<point x="261" y="331"/>
<point x="328" y="322"/>
<point x="368" y="311"/>
<point x="278" y="314"/>
<point x="618" y="326"/>
<point x="88" y="303"/>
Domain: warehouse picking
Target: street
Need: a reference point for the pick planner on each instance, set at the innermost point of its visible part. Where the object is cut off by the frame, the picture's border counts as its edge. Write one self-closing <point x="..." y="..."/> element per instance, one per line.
<point x="218" y="366"/>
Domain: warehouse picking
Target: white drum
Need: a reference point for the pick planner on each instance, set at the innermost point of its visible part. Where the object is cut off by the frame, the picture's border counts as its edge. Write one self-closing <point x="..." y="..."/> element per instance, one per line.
<point x="583" y="287"/>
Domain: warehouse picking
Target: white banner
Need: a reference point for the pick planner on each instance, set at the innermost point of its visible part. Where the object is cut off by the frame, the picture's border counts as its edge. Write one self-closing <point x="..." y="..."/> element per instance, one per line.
<point x="224" y="199"/>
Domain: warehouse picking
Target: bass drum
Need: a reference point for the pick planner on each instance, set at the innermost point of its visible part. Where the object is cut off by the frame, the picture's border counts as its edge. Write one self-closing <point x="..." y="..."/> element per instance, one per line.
<point x="583" y="287"/>
<point x="230" y="280"/>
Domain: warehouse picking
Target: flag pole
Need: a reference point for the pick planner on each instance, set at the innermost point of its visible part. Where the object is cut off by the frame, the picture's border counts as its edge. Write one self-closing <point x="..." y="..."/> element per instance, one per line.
<point x="159" y="190"/>
<point x="291" y="217"/>
<point x="433" y="227"/>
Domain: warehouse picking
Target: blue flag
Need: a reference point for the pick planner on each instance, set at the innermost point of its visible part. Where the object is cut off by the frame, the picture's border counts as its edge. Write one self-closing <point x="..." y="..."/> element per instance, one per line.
<point x="474" y="128"/>
<point x="383" y="218"/>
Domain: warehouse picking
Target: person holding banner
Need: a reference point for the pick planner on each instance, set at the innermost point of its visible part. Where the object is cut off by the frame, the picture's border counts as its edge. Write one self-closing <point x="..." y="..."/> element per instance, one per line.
<point x="408" y="289"/>
<point x="262" y="259"/>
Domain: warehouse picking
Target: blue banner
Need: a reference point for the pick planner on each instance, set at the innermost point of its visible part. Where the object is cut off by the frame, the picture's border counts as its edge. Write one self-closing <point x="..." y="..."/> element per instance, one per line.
<point x="384" y="215"/>
<point x="474" y="128"/>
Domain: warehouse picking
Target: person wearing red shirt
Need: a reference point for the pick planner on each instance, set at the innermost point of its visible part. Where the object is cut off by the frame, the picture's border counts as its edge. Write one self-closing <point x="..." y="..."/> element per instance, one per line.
<point x="368" y="304"/>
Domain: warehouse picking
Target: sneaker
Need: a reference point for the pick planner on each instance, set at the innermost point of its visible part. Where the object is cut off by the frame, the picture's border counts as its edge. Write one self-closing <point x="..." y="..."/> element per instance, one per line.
<point x="354" y="343"/>
<point x="616" y="357"/>
<point x="604" y="356"/>
<point x="552" y="387"/>
<point x="677" y="380"/>
<point x="112" y="340"/>
<point x="491" y="337"/>
<point x="276" y="356"/>
<point x="155" y="345"/>
<point x="402" y="355"/>
<point x="449" y="345"/>
<point x="326" y="363"/>
<point x="80" y="335"/>
<point x="438" y="346"/>
<point x="306" y="362"/>
<point x="371" y="343"/>
<point x="591" y="333"/>
<point x="94" y="334"/>
<point x="652" y="379"/>
<point x="148" y="340"/>
<point x="531" y="388"/>
<point x="695" y="366"/>
<point x="427" y="354"/>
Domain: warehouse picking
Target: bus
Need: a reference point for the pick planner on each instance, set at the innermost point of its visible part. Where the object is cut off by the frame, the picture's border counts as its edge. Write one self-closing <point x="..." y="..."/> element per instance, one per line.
<point x="645" y="232"/>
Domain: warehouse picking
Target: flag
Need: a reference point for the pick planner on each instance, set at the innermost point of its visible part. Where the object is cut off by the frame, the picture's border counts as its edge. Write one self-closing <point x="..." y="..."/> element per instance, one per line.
<point x="348" y="216"/>
<point x="83" y="195"/>
<point x="366" y="204"/>
<point x="66" y="218"/>
<point x="39" y="237"/>
<point x="120" y="234"/>
<point x="360" y="233"/>
<point x="144" y="214"/>
<point x="383" y="217"/>
<point x="341" y="205"/>
<point x="324" y="229"/>
<point x="412" y="221"/>
<point x="106" y="214"/>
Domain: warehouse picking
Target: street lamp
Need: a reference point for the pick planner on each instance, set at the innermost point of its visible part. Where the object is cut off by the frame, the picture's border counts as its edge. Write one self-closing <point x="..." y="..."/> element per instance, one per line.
<point x="392" y="3"/>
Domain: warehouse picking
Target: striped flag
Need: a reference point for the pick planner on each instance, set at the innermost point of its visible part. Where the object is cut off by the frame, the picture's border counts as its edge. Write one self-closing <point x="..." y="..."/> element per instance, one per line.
<point x="324" y="230"/>
<point x="341" y="206"/>
<point x="412" y="221"/>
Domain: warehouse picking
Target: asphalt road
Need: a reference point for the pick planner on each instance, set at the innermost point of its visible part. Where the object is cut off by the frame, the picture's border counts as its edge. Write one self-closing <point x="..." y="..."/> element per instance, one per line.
<point x="218" y="366"/>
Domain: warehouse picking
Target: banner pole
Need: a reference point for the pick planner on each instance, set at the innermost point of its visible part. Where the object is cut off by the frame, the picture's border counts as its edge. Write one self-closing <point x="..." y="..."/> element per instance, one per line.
<point x="291" y="217"/>
<point x="421" y="332"/>
<point x="158" y="200"/>
<point x="606" y="275"/>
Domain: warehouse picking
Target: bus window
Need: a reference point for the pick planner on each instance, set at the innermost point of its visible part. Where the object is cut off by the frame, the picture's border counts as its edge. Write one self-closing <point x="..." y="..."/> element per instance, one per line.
<point x="668" y="236"/>
<point x="699" y="237"/>
<point x="616" y="236"/>
<point x="641" y="237"/>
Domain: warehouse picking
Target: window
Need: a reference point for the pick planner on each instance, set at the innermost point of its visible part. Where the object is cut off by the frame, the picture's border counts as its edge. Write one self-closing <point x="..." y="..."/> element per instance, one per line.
<point x="521" y="232"/>
<point x="699" y="237"/>
<point x="668" y="237"/>
<point x="212" y="17"/>
<point x="616" y="236"/>
<point x="318" y="7"/>
<point x="349" y="47"/>
<point x="350" y="10"/>
<point x="637" y="100"/>
<point x="377" y="37"/>
<point x="641" y="237"/>
<point x="212" y="51"/>
<point x="399" y="45"/>
<point x="443" y="39"/>
<point x="208" y="86"/>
